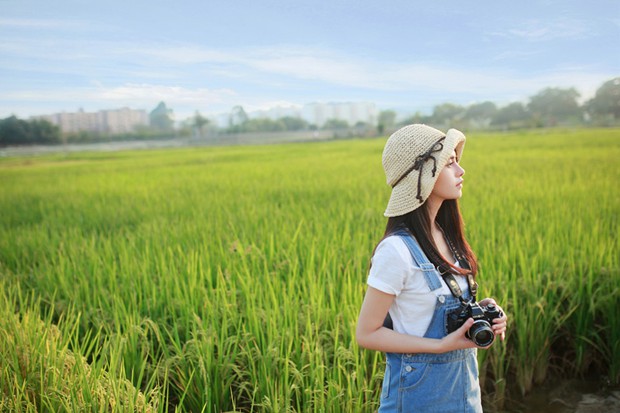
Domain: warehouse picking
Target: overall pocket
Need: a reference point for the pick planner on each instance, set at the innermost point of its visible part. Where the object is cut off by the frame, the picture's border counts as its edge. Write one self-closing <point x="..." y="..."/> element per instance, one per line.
<point x="413" y="374"/>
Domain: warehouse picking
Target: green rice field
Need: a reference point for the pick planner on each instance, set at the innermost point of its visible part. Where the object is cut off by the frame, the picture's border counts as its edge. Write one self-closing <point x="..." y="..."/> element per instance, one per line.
<point x="220" y="279"/>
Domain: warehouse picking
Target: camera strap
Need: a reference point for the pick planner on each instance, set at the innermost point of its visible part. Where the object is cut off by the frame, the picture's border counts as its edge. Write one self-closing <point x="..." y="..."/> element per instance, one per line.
<point x="456" y="291"/>
<point x="448" y="277"/>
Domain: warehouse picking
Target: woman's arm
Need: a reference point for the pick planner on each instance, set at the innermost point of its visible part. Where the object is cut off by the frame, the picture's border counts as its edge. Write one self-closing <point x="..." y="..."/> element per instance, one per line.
<point x="371" y="334"/>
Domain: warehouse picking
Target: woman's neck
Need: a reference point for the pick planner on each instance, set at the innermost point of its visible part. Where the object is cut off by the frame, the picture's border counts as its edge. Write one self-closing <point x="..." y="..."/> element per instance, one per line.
<point x="432" y="207"/>
<point x="439" y="238"/>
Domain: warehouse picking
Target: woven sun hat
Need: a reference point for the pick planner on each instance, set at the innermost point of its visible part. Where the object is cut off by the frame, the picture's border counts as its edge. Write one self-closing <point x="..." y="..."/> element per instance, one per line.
<point x="412" y="159"/>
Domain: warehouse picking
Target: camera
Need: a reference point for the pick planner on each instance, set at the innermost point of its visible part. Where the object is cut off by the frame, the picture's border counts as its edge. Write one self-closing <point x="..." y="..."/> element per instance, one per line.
<point x="480" y="332"/>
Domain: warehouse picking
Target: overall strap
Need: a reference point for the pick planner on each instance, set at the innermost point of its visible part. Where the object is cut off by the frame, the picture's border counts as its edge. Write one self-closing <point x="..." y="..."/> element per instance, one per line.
<point x="427" y="267"/>
<point x="429" y="271"/>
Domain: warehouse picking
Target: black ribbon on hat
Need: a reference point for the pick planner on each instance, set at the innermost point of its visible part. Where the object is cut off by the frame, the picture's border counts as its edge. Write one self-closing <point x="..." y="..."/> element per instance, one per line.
<point x="418" y="164"/>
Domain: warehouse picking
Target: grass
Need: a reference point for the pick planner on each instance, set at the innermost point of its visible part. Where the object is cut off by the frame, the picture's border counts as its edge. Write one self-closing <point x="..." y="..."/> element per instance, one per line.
<point x="230" y="278"/>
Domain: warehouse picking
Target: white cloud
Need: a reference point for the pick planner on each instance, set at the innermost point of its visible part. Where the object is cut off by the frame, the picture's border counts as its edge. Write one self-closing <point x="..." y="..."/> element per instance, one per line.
<point x="186" y="54"/>
<point x="136" y="96"/>
<point x="325" y="66"/>
<point x="193" y="65"/>
<point x="183" y="100"/>
<point x="148" y="92"/>
<point x="264" y="105"/>
<point x="535" y="30"/>
<point x="190" y="77"/>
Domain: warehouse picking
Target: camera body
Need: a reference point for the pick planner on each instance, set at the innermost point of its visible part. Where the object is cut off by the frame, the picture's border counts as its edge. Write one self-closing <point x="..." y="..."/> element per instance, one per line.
<point x="480" y="332"/>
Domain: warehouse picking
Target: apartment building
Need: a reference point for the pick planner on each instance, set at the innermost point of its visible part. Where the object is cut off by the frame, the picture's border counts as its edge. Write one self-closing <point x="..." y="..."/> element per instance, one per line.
<point x="316" y="113"/>
<point x="112" y="122"/>
<point x="351" y="112"/>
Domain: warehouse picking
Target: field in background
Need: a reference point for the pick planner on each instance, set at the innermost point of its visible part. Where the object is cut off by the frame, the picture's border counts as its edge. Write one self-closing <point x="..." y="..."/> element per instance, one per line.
<point x="230" y="278"/>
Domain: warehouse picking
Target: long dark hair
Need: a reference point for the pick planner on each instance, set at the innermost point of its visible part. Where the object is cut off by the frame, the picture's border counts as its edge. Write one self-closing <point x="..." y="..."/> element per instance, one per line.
<point x="450" y="221"/>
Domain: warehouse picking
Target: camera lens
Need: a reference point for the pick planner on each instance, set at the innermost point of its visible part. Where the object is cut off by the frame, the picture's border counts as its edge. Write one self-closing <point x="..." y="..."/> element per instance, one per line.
<point x="481" y="333"/>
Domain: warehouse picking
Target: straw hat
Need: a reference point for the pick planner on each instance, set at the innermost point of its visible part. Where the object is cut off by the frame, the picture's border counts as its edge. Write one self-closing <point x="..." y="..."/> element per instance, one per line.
<point x="412" y="159"/>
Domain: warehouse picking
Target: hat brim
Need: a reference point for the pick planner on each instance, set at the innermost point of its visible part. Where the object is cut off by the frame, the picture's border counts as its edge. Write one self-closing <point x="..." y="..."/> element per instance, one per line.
<point x="404" y="195"/>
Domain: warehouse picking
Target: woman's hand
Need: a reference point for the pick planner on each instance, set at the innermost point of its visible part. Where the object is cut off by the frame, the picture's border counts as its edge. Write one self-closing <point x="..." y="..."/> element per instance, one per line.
<point x="456" y="340"/>
<point x="499" y="324"/>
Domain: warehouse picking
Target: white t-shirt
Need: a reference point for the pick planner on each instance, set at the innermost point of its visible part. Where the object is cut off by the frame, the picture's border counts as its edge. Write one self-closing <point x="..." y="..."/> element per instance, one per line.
<point x="394" y="271"/>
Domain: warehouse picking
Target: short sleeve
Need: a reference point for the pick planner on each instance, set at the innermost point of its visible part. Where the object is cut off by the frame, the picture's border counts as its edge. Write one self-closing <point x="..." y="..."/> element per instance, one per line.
<point x="390" y="266"/>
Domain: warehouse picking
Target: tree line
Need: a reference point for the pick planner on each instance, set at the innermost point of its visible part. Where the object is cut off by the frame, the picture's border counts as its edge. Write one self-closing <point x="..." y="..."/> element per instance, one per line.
<point x="548" y="108"/>
<point x="37" y="131"/>
<point x="14" y="131"/>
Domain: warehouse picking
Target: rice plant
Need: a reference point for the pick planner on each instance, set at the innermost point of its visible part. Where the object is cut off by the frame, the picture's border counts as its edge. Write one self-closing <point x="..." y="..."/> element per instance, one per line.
<point x="230" y="278"/>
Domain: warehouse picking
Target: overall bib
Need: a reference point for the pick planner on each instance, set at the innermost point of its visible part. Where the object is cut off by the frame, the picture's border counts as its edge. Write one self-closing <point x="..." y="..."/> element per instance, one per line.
<point x="424" y="382"/>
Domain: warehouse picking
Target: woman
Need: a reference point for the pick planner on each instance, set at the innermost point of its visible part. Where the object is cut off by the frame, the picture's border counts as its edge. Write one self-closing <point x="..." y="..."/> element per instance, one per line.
<point x="409" y="300"/>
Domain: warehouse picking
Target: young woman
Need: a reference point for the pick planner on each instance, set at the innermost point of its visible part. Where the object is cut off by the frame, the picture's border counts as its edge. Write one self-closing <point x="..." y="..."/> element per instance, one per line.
<point x="409" y="300"/>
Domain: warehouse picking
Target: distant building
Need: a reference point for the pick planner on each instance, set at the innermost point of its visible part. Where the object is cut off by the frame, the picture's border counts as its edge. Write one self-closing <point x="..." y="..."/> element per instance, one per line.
<point x="123" y="120"/>
<point x="316" y="113"/>
<point x="113" y="122"/>
<point x="351" y="112"/>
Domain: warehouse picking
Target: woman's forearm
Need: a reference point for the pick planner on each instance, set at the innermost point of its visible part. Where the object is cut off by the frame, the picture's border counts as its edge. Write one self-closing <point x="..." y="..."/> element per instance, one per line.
<point x="389" y="341"/>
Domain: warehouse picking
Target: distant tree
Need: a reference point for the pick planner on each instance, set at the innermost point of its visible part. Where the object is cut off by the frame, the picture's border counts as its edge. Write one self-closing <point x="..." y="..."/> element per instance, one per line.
<point x="335" y="124"/>
<point x="515" y="115"/>
<point x="263" y="125"/>
<point x="237" y="116"/>
<point x="45" y="131"/>
<point x="481" y="113"/>
<point x="14" y="131"/>
<point x="292" y="123"/>
<point x="605" y="105"/>
<point x="386" y="121"/>
<point x="258" y="125"/>
<point x="416" y="118"/>
<point x="362" y="128"/>
<point x="554" y="105"/>
<point x="447" y="113"/>
<point x="161" y="118"/>
<point x="199" y="122"/>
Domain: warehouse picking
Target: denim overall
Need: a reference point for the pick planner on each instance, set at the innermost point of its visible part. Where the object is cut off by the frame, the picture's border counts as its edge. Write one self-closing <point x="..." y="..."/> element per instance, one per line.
<point x="424" y="382"/>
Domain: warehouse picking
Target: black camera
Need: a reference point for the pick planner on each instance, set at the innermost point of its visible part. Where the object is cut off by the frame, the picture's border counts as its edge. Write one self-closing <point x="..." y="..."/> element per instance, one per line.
<point x="480" y="332"/>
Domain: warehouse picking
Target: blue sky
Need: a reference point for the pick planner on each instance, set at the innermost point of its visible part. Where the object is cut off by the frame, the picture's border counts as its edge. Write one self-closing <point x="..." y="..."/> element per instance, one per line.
<point x="212" y="55"/>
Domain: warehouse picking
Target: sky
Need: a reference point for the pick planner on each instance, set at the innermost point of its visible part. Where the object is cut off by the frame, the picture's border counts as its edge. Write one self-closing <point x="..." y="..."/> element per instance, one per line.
<point x="212" y="55"/>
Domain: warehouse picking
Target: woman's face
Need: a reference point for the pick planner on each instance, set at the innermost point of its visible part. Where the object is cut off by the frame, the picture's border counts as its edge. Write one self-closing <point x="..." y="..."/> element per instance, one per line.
<point x="449" y="184"/>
